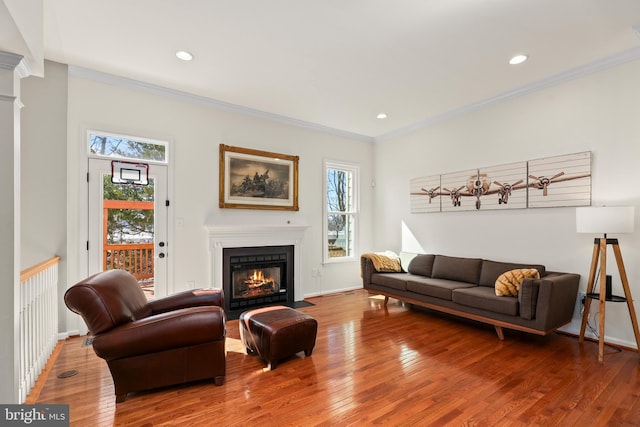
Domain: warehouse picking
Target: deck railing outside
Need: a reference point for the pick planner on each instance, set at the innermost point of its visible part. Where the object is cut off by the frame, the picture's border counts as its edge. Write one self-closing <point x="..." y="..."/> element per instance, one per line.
<point x="136" y="258"/>
<point x="38" y="321"/>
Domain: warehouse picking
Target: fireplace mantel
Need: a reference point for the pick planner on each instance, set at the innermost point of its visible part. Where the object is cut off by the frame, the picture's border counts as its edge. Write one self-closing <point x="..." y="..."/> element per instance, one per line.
<point x="238" y="231"/>
<point x="237" y="236"/>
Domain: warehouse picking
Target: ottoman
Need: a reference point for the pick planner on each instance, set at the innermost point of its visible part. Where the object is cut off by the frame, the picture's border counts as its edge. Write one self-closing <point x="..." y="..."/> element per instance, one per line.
<point x="276" y="333"/>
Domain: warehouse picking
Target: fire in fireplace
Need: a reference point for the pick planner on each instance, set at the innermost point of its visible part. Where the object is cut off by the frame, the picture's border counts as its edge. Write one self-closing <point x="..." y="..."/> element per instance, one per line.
<point x="255" y="282"/>
<point x="257" y="276"/>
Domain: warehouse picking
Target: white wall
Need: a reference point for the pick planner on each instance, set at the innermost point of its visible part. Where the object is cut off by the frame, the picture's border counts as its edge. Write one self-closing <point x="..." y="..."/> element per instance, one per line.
<point x="194" y="131"/>
<point x="597" y="113"/>
<point x="44" y="166"/>
<point x="43" y="172"/>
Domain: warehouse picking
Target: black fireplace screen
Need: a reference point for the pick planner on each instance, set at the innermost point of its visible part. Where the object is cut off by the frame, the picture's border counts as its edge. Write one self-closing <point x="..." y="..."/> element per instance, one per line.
<point x="257" y="276"/>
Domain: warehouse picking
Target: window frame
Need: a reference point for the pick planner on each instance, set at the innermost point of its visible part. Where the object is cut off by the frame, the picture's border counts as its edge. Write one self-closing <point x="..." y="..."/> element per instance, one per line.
<point x="354" y="213"/>
<point x="158" y="142"/>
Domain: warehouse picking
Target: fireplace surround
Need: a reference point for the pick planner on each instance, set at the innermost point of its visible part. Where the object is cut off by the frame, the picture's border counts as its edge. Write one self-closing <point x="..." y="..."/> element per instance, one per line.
<point x="247" y="236"/>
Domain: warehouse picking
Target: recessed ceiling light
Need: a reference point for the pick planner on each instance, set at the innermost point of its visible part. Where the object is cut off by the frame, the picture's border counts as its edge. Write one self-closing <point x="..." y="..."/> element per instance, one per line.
<point x="518" y="59"/>
<point x="184" y="55"/>
<point x="382" y="116"/>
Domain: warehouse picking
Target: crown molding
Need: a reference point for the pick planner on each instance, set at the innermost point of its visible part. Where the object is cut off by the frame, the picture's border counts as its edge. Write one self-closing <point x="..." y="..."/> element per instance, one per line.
<point x="24" y="69"/>
<point x="210" y="102"/>
<point x="15" y="62"/>
<point x="624" y="57"/>
<point x="9" y="61"/>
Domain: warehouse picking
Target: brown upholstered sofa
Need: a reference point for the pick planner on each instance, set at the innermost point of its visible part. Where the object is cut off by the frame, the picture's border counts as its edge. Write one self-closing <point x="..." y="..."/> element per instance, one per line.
<point x="171" y="340"/>
<point x="465" y="287"/>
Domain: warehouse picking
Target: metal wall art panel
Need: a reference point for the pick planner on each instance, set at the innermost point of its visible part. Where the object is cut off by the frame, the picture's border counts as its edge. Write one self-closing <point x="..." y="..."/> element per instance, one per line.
<point x="457" y="187"/>
<point x="425" y="194"/>
<point x="504" y="187"/>
<point x="560" y="181"/>
<point x="549" y="182"/>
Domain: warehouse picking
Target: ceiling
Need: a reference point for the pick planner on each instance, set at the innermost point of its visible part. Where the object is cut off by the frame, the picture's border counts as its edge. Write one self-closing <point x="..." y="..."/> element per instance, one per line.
<point x="338" y="63"/>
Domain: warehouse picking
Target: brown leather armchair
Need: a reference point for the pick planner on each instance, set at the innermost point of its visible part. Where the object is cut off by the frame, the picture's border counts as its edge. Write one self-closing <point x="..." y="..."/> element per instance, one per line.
<point x="148" y="344"/>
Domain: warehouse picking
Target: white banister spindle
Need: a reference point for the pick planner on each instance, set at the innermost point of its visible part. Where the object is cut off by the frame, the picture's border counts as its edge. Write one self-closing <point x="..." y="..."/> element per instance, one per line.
<point x="38" y="321"/>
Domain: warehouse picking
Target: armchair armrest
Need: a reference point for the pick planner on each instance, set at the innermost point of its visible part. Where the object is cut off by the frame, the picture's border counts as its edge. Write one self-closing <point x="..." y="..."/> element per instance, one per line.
<point x="166" y="331"/>
<point x="186" y="299"/>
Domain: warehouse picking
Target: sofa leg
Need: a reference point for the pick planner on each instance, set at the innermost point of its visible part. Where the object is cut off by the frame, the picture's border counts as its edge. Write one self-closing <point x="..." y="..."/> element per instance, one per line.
<point x="218" y="380"/>
<point x="121" y="397"/>
<point x="499" y="332"/>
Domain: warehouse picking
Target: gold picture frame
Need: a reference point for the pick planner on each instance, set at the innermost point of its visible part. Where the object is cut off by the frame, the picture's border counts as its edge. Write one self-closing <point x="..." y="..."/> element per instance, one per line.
<point x="254" y="179"/>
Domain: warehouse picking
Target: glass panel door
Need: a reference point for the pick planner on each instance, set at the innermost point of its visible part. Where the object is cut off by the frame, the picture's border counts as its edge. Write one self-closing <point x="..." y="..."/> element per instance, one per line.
<point x="128" y="226"/>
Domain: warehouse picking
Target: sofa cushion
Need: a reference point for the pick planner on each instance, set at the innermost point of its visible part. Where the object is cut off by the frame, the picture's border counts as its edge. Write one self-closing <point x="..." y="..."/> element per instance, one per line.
<point x="508" y="283"/>
<point x="439" y="288"/>
<point x="492" y="269"/>
<point x="528" y="298"/>
<point x="458" y="269"/>
<point x="421" y="265"/>
<point x="405" y="258"/>
<point x="486" y="299"/>
<point x="390" y="280"/>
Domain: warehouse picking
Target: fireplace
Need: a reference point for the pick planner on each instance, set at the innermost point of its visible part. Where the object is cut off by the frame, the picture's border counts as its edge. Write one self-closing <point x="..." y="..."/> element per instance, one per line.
<point x="237" y="236"/>
<point x="257" y="276"/>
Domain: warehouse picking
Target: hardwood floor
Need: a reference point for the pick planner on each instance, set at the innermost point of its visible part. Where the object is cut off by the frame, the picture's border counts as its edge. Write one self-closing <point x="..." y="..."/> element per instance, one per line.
<point x="376" y="366"/>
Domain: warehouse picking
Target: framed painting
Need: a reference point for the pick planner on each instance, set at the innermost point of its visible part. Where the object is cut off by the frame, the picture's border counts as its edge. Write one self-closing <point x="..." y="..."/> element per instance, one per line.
<point x="254" y="179"/>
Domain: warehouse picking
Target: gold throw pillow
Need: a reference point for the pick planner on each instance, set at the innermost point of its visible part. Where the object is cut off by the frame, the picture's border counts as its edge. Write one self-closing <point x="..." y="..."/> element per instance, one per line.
<point x="508" y="283"/>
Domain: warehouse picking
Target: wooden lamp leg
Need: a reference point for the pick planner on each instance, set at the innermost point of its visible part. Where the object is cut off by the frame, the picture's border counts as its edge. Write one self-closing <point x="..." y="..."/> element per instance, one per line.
<point x="627" y="292"/>
<point x="590" y="285"/>
<point x="603" y="280"/>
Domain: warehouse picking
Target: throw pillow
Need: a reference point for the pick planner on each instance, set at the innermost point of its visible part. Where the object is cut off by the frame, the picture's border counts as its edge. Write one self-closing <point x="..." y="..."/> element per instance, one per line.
<point x="508" y="283"/>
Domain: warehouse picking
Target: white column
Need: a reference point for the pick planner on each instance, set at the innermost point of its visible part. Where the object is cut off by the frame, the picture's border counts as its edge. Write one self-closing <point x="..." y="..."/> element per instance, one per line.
<point x="9" y="225"/>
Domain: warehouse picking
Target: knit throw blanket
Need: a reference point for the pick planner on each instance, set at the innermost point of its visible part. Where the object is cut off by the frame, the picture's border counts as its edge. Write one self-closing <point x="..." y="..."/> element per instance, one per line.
<point x="384" y="262"/>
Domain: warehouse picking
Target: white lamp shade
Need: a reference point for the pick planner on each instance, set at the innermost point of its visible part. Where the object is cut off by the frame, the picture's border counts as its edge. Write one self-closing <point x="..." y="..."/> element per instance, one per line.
<point x="606" y="219"/>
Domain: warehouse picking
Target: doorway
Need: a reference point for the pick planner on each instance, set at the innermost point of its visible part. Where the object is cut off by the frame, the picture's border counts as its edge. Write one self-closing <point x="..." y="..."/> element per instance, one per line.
<point x="128" y="225"/>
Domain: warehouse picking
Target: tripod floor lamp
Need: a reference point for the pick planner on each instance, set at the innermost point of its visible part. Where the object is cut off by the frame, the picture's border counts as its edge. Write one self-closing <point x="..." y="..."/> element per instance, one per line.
<point x="603" y="220"/>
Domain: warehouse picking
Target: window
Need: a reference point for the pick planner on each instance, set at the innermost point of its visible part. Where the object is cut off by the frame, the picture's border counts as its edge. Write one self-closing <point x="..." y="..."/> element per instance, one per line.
<point x="125" y="147"/>
<point x="341" y="211"/>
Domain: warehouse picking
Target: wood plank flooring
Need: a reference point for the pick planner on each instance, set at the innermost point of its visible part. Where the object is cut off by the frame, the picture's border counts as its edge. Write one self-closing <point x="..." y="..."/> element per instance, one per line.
<point x="377" y="366"/>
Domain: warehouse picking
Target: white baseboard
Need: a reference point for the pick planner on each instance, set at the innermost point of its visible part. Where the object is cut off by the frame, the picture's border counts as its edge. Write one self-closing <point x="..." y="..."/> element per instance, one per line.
<point x="333" y="291"/>
<point x="68" y="334"/>
<point x="574" y="329"/>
